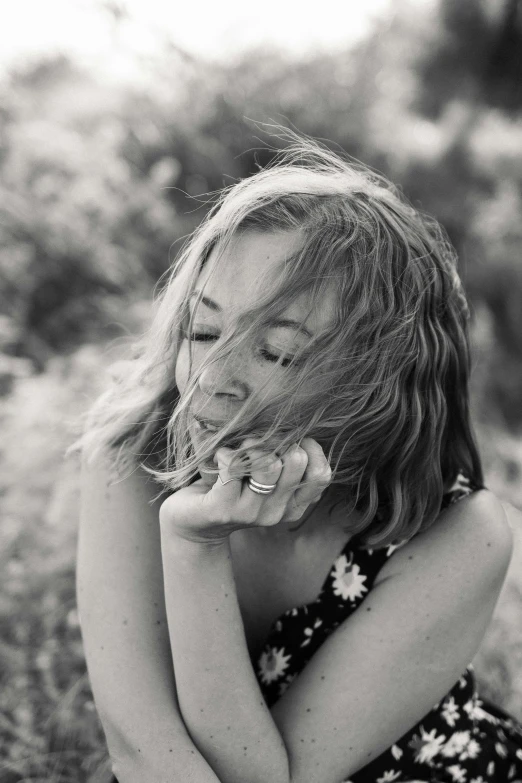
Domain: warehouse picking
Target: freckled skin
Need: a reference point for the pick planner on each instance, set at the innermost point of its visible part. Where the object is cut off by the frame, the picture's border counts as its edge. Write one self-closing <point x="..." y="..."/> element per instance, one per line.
<point x="236" y="287"/>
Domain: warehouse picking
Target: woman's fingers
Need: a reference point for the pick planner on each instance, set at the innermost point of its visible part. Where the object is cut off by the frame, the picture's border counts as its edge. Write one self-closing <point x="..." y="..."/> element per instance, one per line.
<point x="315" y="480"/>
<point x="262" y="488"/>
<point x="232" y="500"/>
<point x="272" y="488"/>
<point x="210" y="516"/>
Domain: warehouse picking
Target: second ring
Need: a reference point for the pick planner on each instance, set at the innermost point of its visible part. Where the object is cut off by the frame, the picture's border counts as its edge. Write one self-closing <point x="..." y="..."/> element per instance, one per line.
<point x="260" y="489"/>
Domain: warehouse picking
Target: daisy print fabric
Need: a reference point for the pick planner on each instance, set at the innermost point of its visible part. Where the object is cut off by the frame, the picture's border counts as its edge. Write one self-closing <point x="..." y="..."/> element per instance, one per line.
<point x="462" y="739"/>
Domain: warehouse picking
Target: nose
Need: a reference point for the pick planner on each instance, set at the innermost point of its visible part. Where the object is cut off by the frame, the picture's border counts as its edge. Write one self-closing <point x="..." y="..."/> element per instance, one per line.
<point x="222" y="379"/>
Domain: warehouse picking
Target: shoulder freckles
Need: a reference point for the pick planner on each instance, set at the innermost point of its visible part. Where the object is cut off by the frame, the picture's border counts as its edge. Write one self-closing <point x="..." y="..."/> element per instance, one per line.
<point x="492" y="526"/>
<point x="471" y="536"/>
<point x="477" y="526"/>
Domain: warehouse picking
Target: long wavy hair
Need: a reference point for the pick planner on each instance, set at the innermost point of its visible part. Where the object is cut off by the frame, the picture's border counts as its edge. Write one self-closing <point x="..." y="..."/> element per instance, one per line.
<point x="390" y="404"/>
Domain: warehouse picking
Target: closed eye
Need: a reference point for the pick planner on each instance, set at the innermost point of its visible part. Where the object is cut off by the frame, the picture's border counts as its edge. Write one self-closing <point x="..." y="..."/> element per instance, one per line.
<point x="202" y="337"/>
<point x="265" y="353"/>
<point x="272" y="357"/>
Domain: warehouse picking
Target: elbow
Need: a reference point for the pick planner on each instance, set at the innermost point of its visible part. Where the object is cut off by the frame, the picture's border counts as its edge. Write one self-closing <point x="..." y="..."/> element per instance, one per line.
<point x="122" y="756"/>
<point x="126" y="770"/>
<point x="117" y="771"/>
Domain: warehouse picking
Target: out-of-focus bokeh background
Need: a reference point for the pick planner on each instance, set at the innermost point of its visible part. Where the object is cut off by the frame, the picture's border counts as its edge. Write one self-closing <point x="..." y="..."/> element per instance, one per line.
<point x="116" y="118"/>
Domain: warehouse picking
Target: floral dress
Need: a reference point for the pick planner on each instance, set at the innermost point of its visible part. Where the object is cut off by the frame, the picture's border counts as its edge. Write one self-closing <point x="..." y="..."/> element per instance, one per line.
<point x="462" y="739"/>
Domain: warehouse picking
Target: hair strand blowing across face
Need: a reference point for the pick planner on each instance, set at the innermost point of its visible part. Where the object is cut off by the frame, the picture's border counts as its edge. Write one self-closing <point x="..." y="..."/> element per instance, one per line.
<point x="392" y="406"/>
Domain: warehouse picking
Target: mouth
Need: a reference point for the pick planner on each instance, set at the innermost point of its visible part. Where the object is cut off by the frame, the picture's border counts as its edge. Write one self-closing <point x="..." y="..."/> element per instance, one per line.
<point x="206" y="427"/>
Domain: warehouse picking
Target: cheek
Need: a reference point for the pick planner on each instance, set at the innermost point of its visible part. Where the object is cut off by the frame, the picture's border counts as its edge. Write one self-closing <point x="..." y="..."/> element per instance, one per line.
<point x="182" y="367"/>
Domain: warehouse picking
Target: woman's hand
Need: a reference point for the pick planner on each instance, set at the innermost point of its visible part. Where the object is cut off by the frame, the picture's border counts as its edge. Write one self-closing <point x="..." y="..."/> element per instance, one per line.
<point x="204" y="515"/>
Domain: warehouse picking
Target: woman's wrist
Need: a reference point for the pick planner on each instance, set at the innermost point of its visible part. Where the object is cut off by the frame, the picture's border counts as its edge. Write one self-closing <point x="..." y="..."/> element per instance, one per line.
<point x="176" y="541"/>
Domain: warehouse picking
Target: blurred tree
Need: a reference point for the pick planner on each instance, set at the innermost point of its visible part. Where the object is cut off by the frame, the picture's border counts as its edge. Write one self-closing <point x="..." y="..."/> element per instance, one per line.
<point x="503" y="76"/>
<point x="100" y="183"/>
<point x="79" y="227"/>
<point x="476" y="53"/>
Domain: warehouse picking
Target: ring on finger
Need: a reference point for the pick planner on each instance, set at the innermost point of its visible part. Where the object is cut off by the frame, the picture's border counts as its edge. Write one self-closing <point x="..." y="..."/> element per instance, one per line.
<point x="228" y="480"/>
<point x="260" y="489"/>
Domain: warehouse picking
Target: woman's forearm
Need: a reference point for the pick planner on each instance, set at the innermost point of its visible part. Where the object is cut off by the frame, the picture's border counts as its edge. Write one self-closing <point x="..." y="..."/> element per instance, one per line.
<point x="219" y="697"/>
<point x="188" y="766"/>
<point x="163" y="753"/>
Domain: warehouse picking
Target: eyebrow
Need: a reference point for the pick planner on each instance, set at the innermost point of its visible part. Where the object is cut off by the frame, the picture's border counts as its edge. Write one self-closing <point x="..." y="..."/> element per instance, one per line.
<point x="283" y="323"/>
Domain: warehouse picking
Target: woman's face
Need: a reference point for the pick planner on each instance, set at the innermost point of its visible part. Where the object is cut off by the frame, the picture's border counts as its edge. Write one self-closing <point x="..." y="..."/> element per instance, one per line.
<point x="252" y="259"/>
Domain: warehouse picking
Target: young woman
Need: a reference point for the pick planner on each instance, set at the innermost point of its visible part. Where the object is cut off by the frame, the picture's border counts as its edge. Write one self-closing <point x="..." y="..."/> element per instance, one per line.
<point x="300" y="601"/>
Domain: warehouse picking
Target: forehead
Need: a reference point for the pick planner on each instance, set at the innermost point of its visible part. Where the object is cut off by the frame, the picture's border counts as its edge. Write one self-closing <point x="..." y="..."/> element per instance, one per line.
<point x="238" y="278"/>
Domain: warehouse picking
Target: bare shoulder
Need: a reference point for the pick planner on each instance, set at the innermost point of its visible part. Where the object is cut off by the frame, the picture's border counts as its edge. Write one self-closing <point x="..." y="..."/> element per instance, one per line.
<point x="104" y="486"/>
<point x="472" y="537"/>
<point x="119" y="537"/>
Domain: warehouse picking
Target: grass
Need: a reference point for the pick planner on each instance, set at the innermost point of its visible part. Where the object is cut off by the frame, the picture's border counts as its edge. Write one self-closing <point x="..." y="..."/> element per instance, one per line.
<point x="49" y="729"/>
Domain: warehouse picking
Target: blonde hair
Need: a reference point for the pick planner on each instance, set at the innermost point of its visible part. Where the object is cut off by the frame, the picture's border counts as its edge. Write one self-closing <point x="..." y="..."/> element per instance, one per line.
<point x="391" y="411"/>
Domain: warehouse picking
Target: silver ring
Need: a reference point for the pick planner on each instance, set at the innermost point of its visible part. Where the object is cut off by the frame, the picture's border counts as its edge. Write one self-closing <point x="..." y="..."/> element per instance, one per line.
<point x="262" y="486"/>
<point x="228" y="480"/>
<point x="260" y="489"/>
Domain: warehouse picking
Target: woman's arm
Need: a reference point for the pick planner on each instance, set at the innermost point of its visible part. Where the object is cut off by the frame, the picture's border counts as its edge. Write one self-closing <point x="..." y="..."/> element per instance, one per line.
<point x="369" y="683"/>
<point x="220" y="699"/>
<point x="121" y="604"/>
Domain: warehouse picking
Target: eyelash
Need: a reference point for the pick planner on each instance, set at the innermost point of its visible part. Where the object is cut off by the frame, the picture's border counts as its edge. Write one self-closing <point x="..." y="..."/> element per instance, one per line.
<point x="206" y="337"/>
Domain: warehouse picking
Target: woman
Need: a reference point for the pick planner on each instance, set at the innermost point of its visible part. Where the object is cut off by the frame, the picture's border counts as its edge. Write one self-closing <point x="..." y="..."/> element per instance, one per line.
<point x="301" y="600"/>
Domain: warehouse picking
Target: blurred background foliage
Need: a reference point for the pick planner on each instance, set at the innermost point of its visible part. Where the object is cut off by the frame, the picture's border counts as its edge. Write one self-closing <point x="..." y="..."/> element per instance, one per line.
<point x="99" y="184"/>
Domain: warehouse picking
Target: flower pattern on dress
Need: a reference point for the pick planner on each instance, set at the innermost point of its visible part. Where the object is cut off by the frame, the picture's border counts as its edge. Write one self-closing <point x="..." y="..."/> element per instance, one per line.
<point x="427" y="745"/>
<point x="462" y="739"/>
<point x="456" y="744"/>
<point x="471" y="750"/>
<point x="272" y="664"/>
<point x="286" y="682"/>
<point x="458" y="773"/>
<point x="396" y="752"/>
<point x="308" y="632"/>
<point x="450" y="711"/>
<point x="389" y="775"/>
<point x="348" y="582"/>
